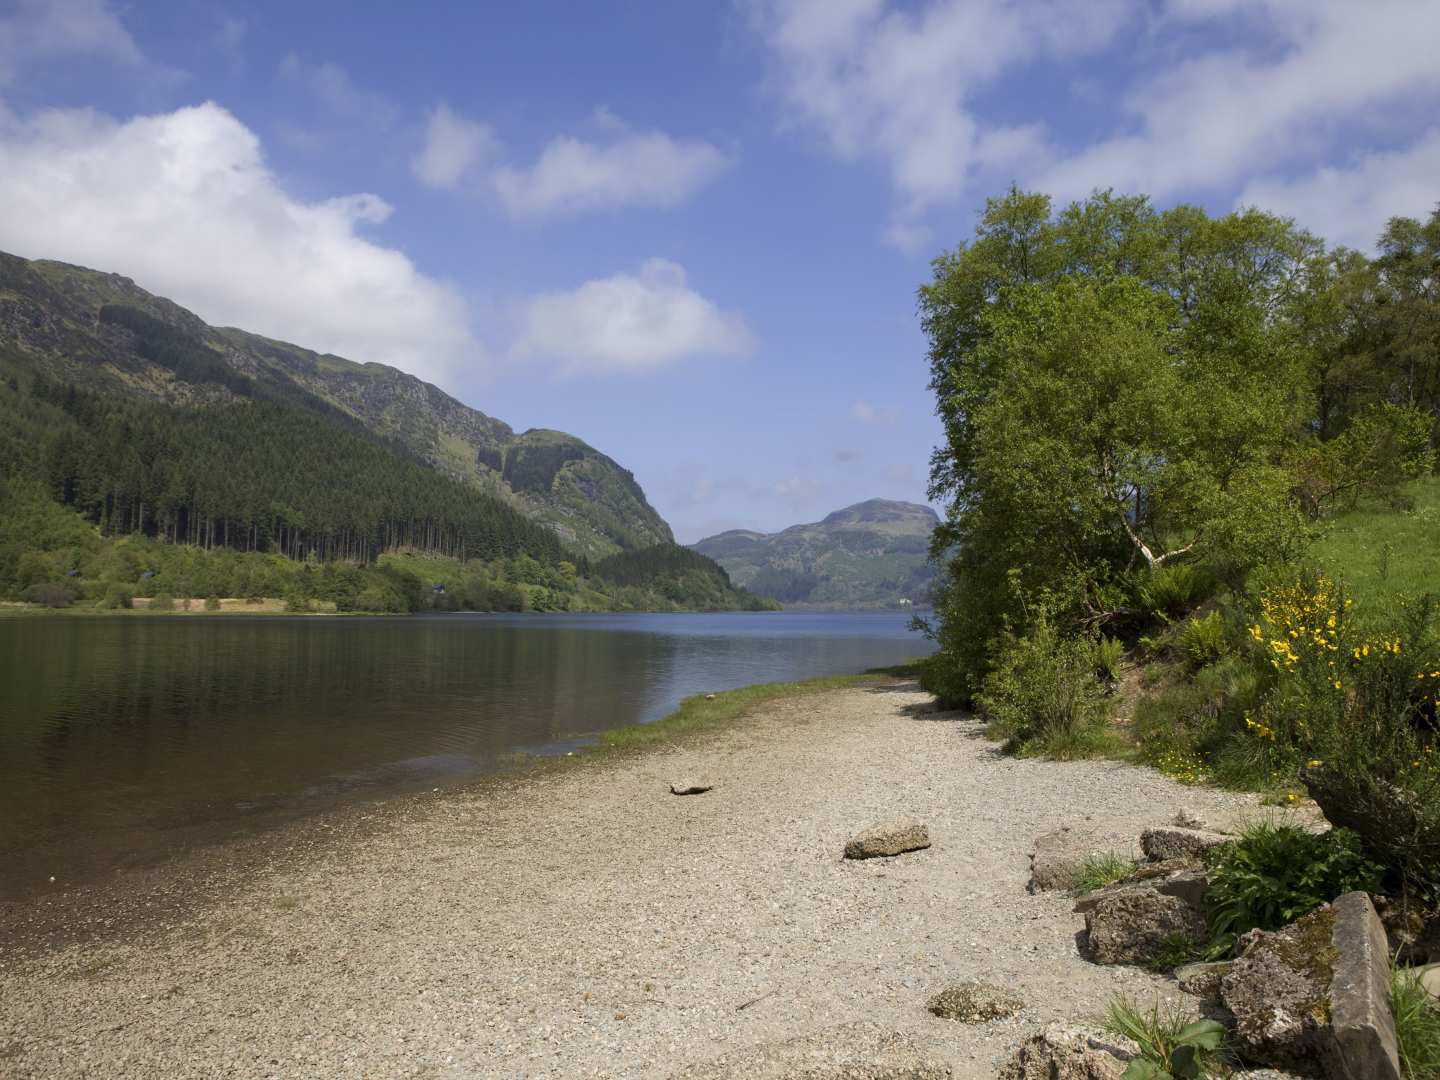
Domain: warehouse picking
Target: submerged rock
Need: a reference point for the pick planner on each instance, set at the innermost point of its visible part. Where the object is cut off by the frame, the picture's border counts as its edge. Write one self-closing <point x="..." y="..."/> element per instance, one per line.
<point x="893" y="837"/>
<point x="856" y="1051"/>
<point x="974" y="1003"/>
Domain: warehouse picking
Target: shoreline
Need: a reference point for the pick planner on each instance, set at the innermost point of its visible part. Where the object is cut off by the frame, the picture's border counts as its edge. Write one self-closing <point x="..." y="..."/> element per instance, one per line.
<point x="575" y="919"/>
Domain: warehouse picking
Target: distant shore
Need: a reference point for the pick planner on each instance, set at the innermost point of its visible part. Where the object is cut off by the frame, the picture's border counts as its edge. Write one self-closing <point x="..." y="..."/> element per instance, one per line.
<point x="577" y="919"/>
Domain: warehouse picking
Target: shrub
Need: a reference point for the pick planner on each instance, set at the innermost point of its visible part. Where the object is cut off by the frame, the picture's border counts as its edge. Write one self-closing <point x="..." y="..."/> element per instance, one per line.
<point x="1097" y="871"/>
<point x="162" y="602"/>
<point x="1273" y="874"/>
<point x="1203" y="640"/>
<point x="1108" y="654"/>
<point x="1168" y="591"/>
<point x="117" y="597"/>
<point x="212" y="603"/>
<point x="297" y="603"/>
<point x="1042" y="695"/>
<point x="1171" y="1047"/>
<point x="51" y="596"/>
<point x="1417" y="1026"/>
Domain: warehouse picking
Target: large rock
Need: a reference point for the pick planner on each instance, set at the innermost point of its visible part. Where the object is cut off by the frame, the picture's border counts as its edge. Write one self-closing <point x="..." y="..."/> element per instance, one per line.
<point x="893" y="837"/>
<point x="857" y="1051"/>
<point x="1315" y="996"/>
<point x="1429" y="977"/>
<point x="1203" y="980"/>
<point x="1413" y="931"/>
<point x="1173" y="842"/>
<point x="1065" y="1053"/>
<point x="1141" y="924"/>
<point x="1360" y="992"/>
<point x="974" y="1003"/>
<point x="1059" y="856"/>
<point x="1179" y="879"/>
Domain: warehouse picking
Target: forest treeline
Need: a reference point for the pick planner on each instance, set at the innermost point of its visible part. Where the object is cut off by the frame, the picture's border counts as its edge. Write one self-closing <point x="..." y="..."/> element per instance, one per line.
<point x="108" y="497"/>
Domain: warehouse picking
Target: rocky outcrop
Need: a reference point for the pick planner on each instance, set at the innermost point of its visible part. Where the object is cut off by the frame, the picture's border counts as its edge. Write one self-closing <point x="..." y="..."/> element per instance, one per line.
<point x="974" y="1003"/>
<point x="1173" y="842"/>
<point x="1139" y="924"/>
<point x="857" y="1051"/>
<point x="1064" y="1053"/>
<point x="1314" y="997"/>
<point x="893" y="837"/>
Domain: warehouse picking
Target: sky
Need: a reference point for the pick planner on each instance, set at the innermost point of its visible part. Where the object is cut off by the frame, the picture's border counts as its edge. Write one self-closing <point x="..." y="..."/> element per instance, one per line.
<point x="690" y="233"/>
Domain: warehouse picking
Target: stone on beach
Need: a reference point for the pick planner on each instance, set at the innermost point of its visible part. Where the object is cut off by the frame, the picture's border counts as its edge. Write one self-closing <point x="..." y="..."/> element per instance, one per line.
<point x="974" y="1003"/>
<point x="690" y="786"/>
<point x="893" y="837"/>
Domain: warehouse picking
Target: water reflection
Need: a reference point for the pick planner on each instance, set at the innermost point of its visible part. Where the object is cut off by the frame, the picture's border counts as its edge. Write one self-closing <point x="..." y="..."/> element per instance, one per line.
<point x="120" y="737"/>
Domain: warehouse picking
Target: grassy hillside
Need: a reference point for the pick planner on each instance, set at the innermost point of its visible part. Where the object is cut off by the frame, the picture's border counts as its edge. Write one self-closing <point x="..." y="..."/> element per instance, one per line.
<point x="1381" y="552"/>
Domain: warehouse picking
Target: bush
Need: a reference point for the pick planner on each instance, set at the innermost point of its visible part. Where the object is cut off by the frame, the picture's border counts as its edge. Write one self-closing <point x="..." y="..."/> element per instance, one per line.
<point x="1042" y="695"/>
<point x="51" y="596"/>
<point x="1171" y="1047"/>
<point x="1168" y="591"/>
<point x="1203" y="640"/>
<point x="1108" y="654"/>
<point x="162" y="602"/>
<point x="117" y="597"/>
<point x="299" y="604"/>
<point x="1417" y="1026"/>
<point x="1273" y="874"/>
<point x="212" y="603"/>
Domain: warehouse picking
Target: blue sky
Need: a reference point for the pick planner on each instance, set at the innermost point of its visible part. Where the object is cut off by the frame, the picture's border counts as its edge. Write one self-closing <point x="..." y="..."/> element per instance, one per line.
<point x="690" y="233"/>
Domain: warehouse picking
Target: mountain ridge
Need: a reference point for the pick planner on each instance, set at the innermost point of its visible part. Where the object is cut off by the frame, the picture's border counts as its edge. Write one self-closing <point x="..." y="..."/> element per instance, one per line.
<point x="873" y="553"/>
<point x="103" y="331"/>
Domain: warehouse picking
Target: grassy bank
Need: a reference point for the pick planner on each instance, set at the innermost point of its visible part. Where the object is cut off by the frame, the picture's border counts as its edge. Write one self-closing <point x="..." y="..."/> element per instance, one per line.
<point x="703" y="712"/>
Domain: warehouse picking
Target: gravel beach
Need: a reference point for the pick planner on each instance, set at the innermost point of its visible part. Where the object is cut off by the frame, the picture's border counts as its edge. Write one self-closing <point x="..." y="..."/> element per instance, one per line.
<point x="584" y="921"/>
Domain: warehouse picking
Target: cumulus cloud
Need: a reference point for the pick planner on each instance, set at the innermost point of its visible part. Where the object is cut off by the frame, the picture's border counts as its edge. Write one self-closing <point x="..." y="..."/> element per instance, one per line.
<point x="453" y="147"/>
<point x="1350" y="204"/>
<point x="184" y="203"/>
<point x="630" y="322"/>
<point x="876" y="80"/>
<point x="869" y="413"/>
<point x="630" y="168"/>
<point x="36" y="31"/>
<point x="1330" y="70"/>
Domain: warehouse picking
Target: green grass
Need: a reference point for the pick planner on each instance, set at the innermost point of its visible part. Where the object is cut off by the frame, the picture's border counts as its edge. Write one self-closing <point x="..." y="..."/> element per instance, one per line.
<point x="1380" y="553"/>
<point x="1100" y="870"/>
<point x="1417" y="1026"/>
<point x="700" y="712"/>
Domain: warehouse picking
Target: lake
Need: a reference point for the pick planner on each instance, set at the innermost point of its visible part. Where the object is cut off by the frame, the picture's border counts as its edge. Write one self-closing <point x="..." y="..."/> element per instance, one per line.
<point x="125" y="740"/>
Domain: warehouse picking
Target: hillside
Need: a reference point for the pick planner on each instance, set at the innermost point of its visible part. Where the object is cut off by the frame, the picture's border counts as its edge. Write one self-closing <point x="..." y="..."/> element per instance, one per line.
<point x="102" y="332"/>
<point x="872" y="554"/>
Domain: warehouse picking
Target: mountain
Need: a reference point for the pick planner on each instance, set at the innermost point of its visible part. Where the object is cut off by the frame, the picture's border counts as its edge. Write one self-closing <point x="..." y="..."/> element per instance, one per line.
<point x="872" y="554"/>
<point x="103" y="333"/>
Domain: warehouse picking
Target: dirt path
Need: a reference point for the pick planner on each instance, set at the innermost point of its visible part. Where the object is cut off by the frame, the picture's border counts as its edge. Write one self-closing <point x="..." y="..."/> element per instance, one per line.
<point x="588" y="923"/>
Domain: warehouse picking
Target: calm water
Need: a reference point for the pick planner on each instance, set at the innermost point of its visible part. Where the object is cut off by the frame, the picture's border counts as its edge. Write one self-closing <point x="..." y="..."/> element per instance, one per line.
<point x="124" y="740"/>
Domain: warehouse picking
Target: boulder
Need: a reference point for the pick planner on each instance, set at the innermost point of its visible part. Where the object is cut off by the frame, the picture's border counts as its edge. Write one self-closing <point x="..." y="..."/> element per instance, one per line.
<point x="1059" y="855"/>
<point x="1065" y="1053"/>
<point x="1178" y="879"/>
<point x="1360" y="1014"/>
<point x="1145" y="922"/>
<point x="974" y="1003"/>
<point x="1315" y="996"/>
<point x="1429" y="977"/>
<point x="690" y="786"/>
<point x="855" y="1051"/>
<point x="1203" y="980"/>
<point x="1173" y="842"/>
<point x="893" y="837"/>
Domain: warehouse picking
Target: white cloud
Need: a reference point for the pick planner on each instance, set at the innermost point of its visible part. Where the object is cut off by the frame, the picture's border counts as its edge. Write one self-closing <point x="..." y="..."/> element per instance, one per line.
<point x="631" y="322"/>
<point x="868" y="413"/>
<point x="453" y="147"/>
<point x="1350" y="204"/>
<point x="1329" y="69"/>
<point x="633" y="168"/>
<point x="184" y="203"/>
<point x="39" y="30"/>
<point x="875" y="80"/>
<point x="333" y="87"/>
